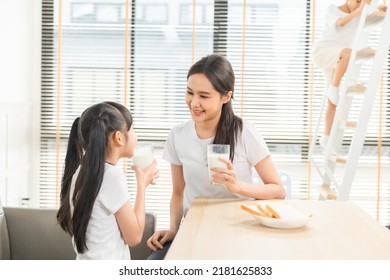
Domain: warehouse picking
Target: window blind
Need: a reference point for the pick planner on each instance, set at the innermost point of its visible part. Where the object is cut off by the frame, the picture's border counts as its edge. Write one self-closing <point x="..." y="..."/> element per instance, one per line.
<point x="138" y="53"/>
<point x="370" y="189"/>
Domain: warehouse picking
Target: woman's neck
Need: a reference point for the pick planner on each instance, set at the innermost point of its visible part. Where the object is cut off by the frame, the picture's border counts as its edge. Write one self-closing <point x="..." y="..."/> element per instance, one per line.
<point x="206" y="129"/>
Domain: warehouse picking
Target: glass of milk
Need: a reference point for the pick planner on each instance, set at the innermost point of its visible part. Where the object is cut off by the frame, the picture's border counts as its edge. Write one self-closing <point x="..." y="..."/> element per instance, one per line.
<point x="143" y="155"/>
<point x="214" y="152"/>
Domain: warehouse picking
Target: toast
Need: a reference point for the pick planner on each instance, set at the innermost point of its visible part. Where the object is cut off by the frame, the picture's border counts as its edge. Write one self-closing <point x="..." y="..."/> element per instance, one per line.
<point x="276" y="210"/>
<point x="252" y="209"/>
<point x="281" y="210"/>
<point x="266" y="212"/>
<point x="273" y="211"/>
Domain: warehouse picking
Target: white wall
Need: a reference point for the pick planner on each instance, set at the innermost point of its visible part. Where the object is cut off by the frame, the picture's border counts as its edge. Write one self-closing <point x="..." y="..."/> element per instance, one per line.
<point x="19" y="99"/>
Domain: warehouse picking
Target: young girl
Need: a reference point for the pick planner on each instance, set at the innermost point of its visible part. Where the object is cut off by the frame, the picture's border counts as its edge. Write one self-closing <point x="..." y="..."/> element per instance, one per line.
<point x="210" y="86"/>
<point x="95" y="207"/>
<point x="332" y="51"/>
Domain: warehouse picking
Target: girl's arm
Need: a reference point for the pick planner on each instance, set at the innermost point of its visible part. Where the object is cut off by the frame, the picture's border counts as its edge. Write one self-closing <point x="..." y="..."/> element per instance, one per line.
<point x="382" y="8"/>
<point x="345" y="20"/>
<point x="132" y="221"/>
<point x="273" y="186"/>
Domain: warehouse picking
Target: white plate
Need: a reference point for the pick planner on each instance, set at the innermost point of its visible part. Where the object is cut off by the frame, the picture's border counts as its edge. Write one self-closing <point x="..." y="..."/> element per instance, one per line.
<point x="282" y="223"/>
<point x="291" y="217"/>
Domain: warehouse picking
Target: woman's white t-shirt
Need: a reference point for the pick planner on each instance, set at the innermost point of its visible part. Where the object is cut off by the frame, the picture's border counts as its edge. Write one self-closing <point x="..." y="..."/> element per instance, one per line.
<point x="183" y="147"/>
<point x="103" y="237"/>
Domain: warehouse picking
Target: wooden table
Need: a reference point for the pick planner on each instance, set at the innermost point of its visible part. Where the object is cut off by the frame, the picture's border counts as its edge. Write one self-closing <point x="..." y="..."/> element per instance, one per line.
<point x="217" y="229"/>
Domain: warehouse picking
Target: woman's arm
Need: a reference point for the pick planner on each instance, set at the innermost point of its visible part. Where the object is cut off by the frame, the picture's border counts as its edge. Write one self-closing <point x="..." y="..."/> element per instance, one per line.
<point x="158" y="239"/>
<point x="273" y="186"/>
<point x="176" y="206"/>
<point x="269" y="175"/>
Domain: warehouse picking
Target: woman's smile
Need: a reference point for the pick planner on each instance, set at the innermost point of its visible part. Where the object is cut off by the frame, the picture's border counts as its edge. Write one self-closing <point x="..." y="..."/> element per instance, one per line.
<point x="197" y="112"/>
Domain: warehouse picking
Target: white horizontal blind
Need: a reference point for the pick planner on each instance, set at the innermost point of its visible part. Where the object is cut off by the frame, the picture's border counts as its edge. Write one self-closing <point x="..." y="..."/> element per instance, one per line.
<point x="82" y="63"/>
<point x="268" y="43"/>
<point x="94" y="63"/>
<point x="371" y="185"/>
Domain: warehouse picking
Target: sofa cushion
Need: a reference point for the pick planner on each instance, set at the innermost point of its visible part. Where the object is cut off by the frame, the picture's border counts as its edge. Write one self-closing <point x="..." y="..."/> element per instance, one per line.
<point x="4" y="241"/>
<point x="35" y="235"/>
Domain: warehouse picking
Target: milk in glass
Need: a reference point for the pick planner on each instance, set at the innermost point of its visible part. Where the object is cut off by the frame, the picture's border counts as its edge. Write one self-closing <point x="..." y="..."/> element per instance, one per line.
<point x="143" y="155"/>
<point x="214" y="152"/>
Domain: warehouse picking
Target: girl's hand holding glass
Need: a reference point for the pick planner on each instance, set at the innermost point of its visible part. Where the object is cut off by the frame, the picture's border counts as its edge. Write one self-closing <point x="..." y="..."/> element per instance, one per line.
<point x="148" y="175"/>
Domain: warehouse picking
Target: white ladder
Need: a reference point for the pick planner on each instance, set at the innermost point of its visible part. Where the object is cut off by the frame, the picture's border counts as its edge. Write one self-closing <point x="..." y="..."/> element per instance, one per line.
<point x="369" y="21"/>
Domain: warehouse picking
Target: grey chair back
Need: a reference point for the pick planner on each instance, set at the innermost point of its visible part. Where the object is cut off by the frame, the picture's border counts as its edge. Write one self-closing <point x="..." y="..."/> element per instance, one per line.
<point x="35" y="235"/>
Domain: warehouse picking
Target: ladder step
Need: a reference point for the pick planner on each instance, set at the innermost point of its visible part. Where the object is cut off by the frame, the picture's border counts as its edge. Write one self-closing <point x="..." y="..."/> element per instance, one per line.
<point x="327" y="192"/>
<point x="348" y="125"/>
<point x="374" y="20"/>
<point x="356" y="90"/>
<point x="337" y="159"/>
<point x="365" y="55"/>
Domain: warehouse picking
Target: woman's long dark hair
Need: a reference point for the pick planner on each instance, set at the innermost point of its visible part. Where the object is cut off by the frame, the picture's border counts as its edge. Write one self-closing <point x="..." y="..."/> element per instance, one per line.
<point x="87" y="147"/>
<point x="219" y="72"/>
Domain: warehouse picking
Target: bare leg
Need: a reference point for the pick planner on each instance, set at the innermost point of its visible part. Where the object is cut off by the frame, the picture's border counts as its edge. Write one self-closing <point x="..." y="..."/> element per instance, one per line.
<point x="329" y="116"/>
<point x="341" y="67"/>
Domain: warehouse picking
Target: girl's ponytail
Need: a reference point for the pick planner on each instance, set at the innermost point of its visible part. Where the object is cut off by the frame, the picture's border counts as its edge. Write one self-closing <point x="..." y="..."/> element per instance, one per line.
<point x="73" y="157"/>
<point x="89" y="181"/>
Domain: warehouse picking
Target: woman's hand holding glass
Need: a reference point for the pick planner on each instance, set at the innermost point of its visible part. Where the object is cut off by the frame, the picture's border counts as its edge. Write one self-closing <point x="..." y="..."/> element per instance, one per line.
<point x="226" y="176"/>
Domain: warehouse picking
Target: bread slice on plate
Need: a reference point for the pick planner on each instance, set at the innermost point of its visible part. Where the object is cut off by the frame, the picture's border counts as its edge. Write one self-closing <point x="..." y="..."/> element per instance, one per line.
<point x="253" y="209"/>
<point x="282" y="210"/>
<point x="277" y="214"/>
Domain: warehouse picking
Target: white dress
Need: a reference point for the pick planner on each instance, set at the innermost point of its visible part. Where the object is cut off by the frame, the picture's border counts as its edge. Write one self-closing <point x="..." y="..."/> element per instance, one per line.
<point x="183" y="147"/>
<point x="326" y="51"/>
<point x="103" y="238"/>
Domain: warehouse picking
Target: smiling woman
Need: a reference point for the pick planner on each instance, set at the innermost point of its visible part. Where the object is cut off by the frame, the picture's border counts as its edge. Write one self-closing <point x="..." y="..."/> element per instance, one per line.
<point x="204" y="102"/>
<point x="210" y="87"/>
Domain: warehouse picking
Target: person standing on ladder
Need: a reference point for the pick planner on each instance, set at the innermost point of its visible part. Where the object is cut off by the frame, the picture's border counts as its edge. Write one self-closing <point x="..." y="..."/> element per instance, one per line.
<point x="332" y="51"/>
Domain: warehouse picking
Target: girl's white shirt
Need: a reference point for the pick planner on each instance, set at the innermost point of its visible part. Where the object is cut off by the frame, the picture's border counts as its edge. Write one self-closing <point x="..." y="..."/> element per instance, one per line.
<point x="103" y="238"/>
<point x="183" y="147"/>
<point x="335" y="35"/>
